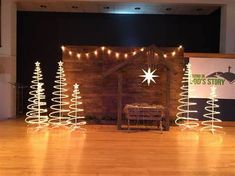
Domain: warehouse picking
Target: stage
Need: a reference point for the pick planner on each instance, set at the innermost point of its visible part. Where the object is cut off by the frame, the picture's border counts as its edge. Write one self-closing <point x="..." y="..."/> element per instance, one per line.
<point x="104" y="151"/>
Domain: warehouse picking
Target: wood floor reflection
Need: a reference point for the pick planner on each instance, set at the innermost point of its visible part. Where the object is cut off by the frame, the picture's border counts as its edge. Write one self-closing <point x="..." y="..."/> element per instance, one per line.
<point x="105" y="151"/>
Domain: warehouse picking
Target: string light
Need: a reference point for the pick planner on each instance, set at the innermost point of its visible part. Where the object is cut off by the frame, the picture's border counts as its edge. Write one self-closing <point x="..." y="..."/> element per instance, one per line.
<point x="117" y="54"/>
<point x="96" y="53"/>
<point x="63" y="48"/>
<point x="184" y="116"/>
<point x="212" y="111"/>
<point x="78" y="55"/>
<point x="58" y="115"/>
<point x="76" y="118"/>
<point x="36" y="113"/>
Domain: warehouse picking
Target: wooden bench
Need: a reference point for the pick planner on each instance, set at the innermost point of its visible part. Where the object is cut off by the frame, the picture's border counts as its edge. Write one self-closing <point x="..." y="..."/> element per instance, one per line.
<point x="144" y="112"/>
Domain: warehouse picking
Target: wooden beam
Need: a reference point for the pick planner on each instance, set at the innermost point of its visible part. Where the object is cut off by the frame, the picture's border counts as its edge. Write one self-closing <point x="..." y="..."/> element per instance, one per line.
<point x="119" y="103"/>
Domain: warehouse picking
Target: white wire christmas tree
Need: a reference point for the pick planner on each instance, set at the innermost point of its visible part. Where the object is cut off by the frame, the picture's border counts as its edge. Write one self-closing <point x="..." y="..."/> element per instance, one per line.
<point x="76" y="118"/>
<point x="211" y="124"/>
<point x="184" y="118"/>
<point x="59" y="115"/>
<point x="36" y="107"/>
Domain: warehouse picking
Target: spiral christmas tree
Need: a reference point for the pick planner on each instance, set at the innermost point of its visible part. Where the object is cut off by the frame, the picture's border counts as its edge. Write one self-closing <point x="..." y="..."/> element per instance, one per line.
<point x="36" y="107"/>
<point x="184" y="119"/>
<point x="59" y="113"/>
<point x="76" y="118"/>
<point x="211" y="124"/>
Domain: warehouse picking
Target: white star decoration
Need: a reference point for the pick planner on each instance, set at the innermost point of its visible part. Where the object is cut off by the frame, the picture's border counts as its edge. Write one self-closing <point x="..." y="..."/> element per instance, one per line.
<point x="75" y="86"/>
<point x="148" y="76"/>
<point x="60" y="63"/>
<point x="37" y="63"/>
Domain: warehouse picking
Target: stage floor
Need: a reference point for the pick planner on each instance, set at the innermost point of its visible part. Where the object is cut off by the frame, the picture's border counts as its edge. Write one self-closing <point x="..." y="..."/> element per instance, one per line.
<point x="105" y="151"/>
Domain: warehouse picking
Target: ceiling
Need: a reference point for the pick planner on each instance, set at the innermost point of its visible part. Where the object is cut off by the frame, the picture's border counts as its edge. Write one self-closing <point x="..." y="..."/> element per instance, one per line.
<point x="118" y="8"/>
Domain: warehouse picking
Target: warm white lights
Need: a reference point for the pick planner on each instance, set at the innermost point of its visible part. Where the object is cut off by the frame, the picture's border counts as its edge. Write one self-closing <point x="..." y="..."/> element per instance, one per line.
<point x="184" y="118"/>
<point x="109" y="51"/>
<point x="117" y="55"/>
<point x="58" y="115"/>
<point x="211" y="124"/>
<point x="148" y="76"/>
<point x="36" y="113"/>
<point x="96" y="52"/>
<point x="76" y="118"/>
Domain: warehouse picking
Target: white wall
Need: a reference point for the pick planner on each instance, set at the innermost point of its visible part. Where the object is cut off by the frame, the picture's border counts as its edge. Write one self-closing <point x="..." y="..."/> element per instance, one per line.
<point x="8" y="59"/>
<point x="227" y="37"/>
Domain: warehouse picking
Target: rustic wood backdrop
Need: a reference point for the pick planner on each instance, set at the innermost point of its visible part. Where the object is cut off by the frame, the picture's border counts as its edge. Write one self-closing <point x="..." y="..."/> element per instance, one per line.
<point x="100" y="93"/>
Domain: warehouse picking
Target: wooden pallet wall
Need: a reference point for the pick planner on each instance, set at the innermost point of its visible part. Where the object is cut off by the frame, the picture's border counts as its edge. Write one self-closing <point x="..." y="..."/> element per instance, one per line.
<point x="99" y="93"/>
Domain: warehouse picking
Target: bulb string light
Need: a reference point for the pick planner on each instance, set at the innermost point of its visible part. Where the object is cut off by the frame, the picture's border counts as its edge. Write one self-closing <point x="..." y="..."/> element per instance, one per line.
<point x="35" y="108"/>
<point x="76" y="119"/>
<point x="58" y="116"/>
<point x="211" y="124"/>
<point x="116" y="54"/>
<point x="183" y="116"/>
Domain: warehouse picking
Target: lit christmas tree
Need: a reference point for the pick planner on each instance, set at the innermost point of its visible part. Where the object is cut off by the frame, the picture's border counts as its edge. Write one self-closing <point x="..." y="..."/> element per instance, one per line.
<point x="36" y="107"/>
<point x="183" y="116"/>
<point x="76" y="118"/>
<point x="211" y="125"/>
<point x="59" y="115"/>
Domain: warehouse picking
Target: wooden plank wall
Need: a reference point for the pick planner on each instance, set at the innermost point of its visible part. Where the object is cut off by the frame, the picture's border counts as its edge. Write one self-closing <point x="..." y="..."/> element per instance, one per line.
<point x="99" y="94"/>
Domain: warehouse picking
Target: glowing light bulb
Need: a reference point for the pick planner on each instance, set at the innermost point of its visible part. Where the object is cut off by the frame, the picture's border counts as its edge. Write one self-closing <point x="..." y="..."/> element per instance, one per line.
<point x="125" y="55"/>
<point x="87" y="54"/>
<point x="156" y="54"/>
<point x="63" y="48"/>
<point x="109" y="51"/>
<point x="173" y="53"/>
<point x="142" y="49"/>
<point x="96" y="53"/>
<point x="70" y="53"/>
<point x="134" y="53"/>
<point x="117" y="55"/>
<point x="180" y="47"/>
<point x="165" y="55"/>
<point x="78" y="55"/>
<point x="102" y="48"/>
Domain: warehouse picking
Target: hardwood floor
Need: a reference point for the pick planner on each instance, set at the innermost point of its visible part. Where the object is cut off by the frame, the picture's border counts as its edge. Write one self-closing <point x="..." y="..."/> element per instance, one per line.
<point x="104" y="151"/>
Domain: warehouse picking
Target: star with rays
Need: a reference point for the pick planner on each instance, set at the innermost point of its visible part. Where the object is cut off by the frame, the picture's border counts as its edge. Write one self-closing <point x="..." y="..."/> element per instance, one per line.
<point x="148" y="76"/>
